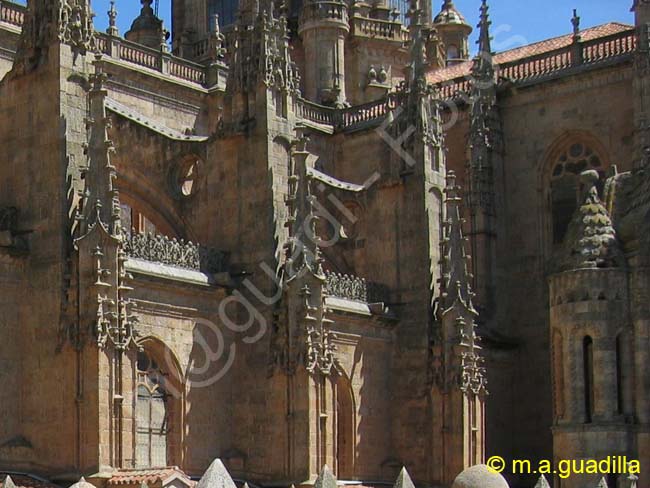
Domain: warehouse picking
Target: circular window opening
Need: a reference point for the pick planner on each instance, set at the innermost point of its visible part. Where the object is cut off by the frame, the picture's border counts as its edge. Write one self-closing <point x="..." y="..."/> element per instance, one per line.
<point x="187" y="177"/>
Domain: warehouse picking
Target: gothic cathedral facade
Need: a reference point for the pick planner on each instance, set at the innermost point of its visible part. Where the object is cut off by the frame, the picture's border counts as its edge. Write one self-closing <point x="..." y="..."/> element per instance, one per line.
<point x="297" y="233"/>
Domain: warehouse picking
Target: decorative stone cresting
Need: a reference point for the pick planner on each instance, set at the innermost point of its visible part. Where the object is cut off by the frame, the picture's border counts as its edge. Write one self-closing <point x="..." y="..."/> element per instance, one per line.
<point x="161" y="249"/>
<point x="346" y="286"/>
<point x="353" y="288"/>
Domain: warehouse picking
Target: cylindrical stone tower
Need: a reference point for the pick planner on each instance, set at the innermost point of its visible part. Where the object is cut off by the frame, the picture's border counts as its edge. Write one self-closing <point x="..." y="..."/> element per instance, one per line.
<point x="591" y="337"/>
<point x="323" y="27"/>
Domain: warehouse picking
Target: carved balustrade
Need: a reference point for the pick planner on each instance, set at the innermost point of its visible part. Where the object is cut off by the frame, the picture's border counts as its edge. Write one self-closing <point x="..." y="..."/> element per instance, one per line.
<point x="157" y="248"/>
<point x="353" y="288"/>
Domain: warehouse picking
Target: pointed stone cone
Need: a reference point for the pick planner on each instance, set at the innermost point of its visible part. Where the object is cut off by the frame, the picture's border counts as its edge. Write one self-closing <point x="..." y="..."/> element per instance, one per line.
<point x="8" y="483"/>
<point x="216" y="476"/>
<point x="245" y="485"/>
<point x="325" y="479"/>
<point x="542" y="482"/>
<point x="144" y="485"/>
<point x="632" y="480"/>
<point x="403" y="480"/>
<point x="602" y="483"/>
<point x="82" y="483"/>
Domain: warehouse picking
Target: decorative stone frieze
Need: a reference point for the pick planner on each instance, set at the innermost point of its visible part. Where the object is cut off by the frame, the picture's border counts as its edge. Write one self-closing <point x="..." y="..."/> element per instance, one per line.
<point x="161" y="249"/>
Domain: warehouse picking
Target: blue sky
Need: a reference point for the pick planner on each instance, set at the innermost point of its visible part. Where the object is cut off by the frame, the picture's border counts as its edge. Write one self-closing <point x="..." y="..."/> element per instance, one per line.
<point x="514" y="22"/>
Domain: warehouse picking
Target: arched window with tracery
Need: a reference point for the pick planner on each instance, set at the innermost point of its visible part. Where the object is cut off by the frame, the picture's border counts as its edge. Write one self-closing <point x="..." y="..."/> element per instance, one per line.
<point x="151" y="414"/>
<point x="568" y="163"/>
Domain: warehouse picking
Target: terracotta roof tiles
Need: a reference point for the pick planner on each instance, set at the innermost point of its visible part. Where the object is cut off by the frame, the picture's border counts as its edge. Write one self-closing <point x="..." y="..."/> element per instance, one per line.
<point x="148" y="476"/>
<point x="530" y="50"/>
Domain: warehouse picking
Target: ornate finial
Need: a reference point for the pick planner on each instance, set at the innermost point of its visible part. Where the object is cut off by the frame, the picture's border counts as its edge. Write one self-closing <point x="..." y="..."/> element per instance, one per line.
<point x="217" y="40"/>
<point x="164" y="35"/>
<point x="483" y="67"/>
<point x="484" y="40"/>
<point x="456" y="280"/>
<point x="112" y="21"/>
<point x="590" y="240"/>
<point x="575" y="21"/>
<point x="99" y="77"/>
<point x="146" y="5"/>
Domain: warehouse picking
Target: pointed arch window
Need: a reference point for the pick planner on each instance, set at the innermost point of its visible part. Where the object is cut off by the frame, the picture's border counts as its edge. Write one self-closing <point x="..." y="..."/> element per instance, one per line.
<point x="151" y="414"/>
<point x="565" y="183"/>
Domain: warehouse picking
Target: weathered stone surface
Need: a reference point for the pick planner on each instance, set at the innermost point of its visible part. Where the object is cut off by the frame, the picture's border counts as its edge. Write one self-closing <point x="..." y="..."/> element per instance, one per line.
<point x="198" y="161"/>
<point x="542" y="482"/>
<point x="325" y="479"/>
<point x="404" y="480"/>
<point x="216" y="476"/>
<point x="479" y="476"/>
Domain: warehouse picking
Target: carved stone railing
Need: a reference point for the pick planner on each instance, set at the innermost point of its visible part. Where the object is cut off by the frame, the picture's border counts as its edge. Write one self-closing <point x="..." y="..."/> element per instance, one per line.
<point x="12" y="13"/>
<point x="315" y="113"/>
<point x="353" y="288"/>
<point x="342" y="119"/>
<point x="150" y="58"/>
<point x="453" y="89"/>
<point x="536" y="66"/>
<point x="608" y="47"/>
<point x="324" y="10"/>
<point x="532" y="68"/>
<point x="367" y="112"/>
<point x="172" y="252"/>
<point x="119" y="48"/>
<point x="379" y="29"/>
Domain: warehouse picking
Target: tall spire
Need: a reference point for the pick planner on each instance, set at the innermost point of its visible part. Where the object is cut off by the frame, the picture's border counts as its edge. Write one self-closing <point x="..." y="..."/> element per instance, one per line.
<point x="418" y="42"/>
<point x="483" y="64"/>
<point x="304" y="250"/>
<point x="101" y="202"/>
<point x="456" y="280"/>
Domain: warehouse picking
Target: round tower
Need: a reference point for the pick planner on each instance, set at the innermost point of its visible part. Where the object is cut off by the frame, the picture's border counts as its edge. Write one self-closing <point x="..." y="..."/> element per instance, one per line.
<point x="323" y="27"/>
<point x="454" y="33"/>
<point x="590" y="336"/>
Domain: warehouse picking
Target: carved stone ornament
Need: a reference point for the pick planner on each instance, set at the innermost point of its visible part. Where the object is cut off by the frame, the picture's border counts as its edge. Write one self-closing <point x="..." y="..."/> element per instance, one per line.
<point x="76" y="25"/>
<point x="320" y="357"/>
<point x="262" y="54"/>
<point x="161" y="249"/>
<point x="50" y="21"/>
